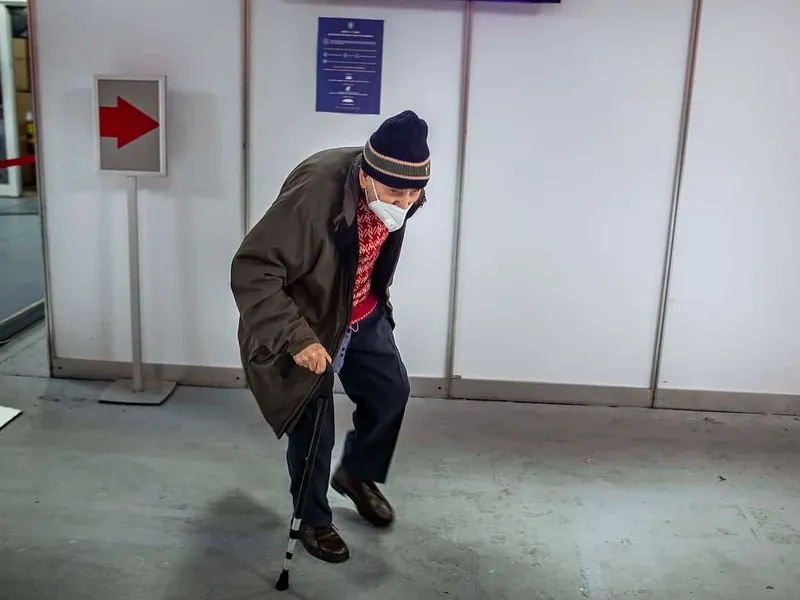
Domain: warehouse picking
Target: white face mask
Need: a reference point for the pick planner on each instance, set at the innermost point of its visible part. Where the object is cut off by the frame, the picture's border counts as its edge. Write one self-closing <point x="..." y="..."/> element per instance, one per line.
<point x="390" y="215"/>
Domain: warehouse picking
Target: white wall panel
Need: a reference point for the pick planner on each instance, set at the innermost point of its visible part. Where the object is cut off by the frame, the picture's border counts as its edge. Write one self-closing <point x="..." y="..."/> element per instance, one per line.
<point x="574" y="120"/>
<point x="421" y="71"/>
<point x="733" y="318"/>
<point x="190" y="222"/>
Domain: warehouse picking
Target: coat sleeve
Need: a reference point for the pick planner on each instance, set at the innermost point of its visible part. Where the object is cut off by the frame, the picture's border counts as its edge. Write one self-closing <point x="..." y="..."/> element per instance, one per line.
<point x="274" y="253"/>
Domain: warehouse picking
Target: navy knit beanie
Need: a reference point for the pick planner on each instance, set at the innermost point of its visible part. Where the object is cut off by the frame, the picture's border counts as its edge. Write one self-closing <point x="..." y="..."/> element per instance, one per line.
<point x="397" y="154"/>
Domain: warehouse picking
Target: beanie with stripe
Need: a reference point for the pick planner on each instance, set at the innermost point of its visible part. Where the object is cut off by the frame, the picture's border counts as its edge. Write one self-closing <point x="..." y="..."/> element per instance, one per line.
<point x="397" y="154"/>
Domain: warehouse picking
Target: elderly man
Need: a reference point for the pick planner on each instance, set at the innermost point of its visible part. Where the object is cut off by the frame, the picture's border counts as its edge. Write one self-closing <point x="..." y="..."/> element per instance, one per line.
<point x="311" y="282"/>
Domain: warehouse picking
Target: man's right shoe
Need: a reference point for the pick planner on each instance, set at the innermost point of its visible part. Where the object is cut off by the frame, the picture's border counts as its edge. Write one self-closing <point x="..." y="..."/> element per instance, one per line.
<point x="324" y="543"/>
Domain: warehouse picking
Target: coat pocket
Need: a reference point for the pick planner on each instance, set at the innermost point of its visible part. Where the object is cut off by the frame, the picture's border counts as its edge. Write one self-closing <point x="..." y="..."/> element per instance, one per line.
<point x="279" y="398"/>
<point x="261" y="356"/>
<point x="257" y="353"/>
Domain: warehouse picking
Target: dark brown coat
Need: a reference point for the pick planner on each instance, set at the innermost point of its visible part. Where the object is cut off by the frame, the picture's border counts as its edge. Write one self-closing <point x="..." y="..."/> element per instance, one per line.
<point x="292" y="279"/>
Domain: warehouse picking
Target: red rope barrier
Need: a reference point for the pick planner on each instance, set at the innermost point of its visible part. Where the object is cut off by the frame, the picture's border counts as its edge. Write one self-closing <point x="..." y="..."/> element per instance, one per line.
<point x="18" y="162"/>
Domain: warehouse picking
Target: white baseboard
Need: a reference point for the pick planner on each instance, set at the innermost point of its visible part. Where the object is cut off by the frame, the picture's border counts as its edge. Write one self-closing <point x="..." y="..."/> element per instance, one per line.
<point x="550" y="393"/>
<point x="737" y="402"/>
<point x="222" y="377"/>
<point x="469" y="389"/>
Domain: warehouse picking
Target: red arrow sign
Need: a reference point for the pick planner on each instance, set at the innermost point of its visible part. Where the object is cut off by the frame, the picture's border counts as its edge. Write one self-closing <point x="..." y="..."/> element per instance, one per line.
<point x="125" y="122"/>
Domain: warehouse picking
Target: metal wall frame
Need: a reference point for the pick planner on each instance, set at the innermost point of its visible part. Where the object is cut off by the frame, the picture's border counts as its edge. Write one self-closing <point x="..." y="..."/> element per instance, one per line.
<point x="246" y="7"/>
<point x="677" y="182"/>
<point x="40" y="183"/>
<point x="466" y="72"/>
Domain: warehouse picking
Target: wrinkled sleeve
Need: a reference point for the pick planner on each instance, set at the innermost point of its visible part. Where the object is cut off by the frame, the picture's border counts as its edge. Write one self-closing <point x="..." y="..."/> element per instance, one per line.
<point x="274" y="253"/>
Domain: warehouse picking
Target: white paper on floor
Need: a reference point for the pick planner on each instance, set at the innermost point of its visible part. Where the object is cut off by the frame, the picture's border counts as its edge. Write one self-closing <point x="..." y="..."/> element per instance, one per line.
<point x="7" y="415"/>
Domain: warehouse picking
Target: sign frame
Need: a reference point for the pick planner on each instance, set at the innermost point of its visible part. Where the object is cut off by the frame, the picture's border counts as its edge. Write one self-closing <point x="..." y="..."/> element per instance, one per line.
<point x="161" y="81"/>
<point x="372" y="88"/>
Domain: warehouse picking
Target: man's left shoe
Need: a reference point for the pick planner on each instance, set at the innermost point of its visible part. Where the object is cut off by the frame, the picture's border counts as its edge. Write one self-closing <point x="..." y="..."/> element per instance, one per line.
<point x="370" y="503"/>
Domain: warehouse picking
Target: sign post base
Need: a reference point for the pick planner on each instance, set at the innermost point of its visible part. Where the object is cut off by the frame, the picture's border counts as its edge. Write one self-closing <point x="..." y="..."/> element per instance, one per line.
<point x="152" y="393"/>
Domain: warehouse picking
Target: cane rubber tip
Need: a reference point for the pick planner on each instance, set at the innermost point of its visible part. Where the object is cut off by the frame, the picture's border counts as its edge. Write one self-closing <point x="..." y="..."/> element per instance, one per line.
<point x="283" y="582"/>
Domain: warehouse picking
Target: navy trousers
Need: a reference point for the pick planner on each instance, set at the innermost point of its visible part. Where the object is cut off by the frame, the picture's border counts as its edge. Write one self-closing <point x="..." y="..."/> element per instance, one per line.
<point x="375" y="379"/>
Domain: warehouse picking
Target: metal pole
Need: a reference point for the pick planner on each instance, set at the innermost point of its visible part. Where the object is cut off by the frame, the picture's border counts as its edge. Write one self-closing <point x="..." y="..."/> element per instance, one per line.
<point x="133" y="261"/>
<point x="680" y="161"/>
<point x="466" y="64"/>
<point x="40" y="183"/>
<point x="247" y="11"/>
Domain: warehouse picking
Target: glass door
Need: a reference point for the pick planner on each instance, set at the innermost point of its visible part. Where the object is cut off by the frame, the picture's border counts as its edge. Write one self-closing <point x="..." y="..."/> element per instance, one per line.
<point x="10" y="177"/>
<point x="22" y="273"/>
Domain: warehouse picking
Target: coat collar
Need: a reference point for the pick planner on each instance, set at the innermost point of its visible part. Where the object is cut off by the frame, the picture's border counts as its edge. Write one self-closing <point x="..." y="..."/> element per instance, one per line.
<point x="352" y="192"/>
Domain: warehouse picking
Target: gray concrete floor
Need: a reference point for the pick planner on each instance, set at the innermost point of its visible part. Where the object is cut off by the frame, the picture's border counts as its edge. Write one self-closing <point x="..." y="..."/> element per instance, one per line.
<point x="188" y="501"/>
<point x="21" y="262"/>
<point x="26" y="355"/>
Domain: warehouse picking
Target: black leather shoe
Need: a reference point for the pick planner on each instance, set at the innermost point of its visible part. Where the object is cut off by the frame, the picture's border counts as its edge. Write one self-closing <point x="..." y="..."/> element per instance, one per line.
<point x="370" y="503"/>
<point x="324" y="543"/>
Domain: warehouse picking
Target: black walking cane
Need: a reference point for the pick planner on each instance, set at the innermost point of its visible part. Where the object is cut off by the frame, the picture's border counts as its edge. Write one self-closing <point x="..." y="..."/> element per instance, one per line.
<point x="324" y="395"/>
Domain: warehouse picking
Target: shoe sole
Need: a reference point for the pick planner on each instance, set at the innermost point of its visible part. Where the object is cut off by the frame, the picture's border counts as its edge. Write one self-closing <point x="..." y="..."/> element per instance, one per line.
<point x="342" y="491"/>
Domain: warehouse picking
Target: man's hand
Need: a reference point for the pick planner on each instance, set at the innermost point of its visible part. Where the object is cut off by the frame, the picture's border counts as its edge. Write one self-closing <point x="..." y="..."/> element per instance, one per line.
<point x="314" y="358"/>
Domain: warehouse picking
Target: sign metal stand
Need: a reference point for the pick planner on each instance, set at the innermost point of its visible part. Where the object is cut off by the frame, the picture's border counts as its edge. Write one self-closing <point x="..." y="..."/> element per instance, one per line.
<point x="131" y="141"/>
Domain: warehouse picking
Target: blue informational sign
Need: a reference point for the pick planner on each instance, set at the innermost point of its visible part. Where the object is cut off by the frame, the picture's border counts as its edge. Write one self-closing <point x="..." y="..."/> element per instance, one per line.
<point x="349" y="65"/>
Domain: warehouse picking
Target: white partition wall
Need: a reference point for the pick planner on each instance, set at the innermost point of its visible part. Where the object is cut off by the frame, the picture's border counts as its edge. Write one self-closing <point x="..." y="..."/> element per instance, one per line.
<point x="190" y="222"/>
<point x="422" y="72"/>
<point x="573" y="127"/>
<point x="732" y="340"/>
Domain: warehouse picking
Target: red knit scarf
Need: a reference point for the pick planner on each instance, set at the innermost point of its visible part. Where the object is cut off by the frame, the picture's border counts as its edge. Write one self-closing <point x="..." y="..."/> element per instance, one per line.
<point x="371" y="236"/>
